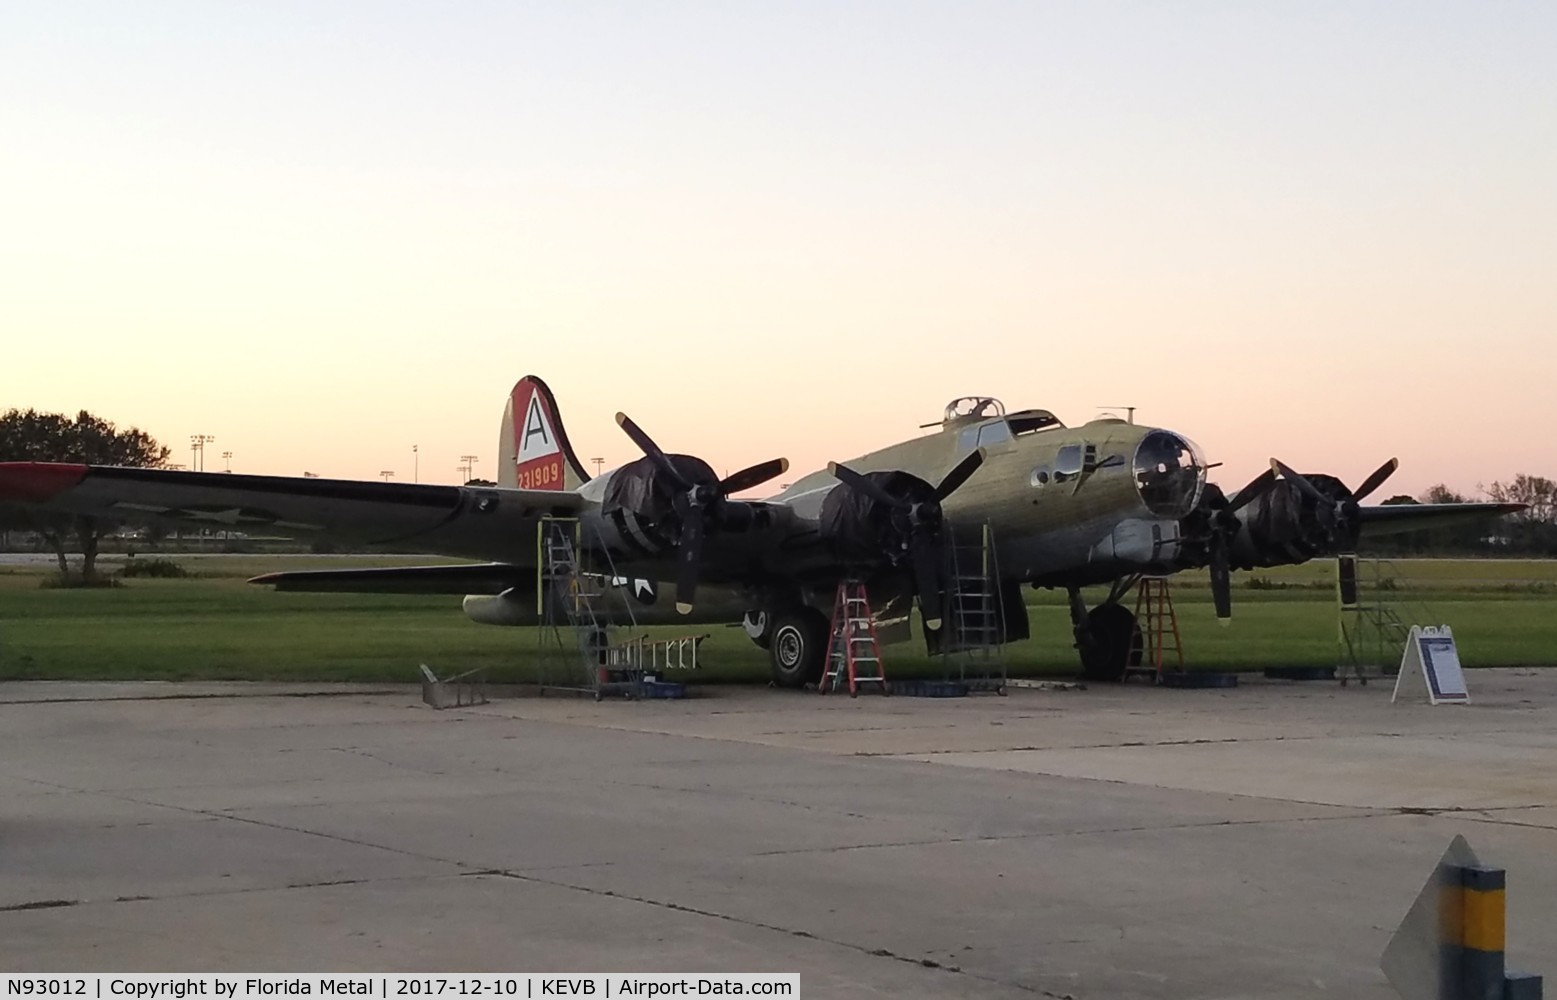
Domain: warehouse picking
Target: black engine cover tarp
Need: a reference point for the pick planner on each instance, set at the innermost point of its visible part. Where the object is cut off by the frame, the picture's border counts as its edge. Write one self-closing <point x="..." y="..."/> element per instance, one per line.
<point x="642" y="489"/>
<point x="858" y="524"/>
<point x="1286" y="524"/>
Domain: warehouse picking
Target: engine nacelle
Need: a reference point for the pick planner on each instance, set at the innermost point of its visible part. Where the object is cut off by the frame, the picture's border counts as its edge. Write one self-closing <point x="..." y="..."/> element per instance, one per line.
<point x="858" y="526"/>
<point x="1287" y="526"/>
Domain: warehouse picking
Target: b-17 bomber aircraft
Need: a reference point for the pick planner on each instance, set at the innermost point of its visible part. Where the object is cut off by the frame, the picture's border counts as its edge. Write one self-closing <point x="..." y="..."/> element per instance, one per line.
<point x="1065" y="507"/>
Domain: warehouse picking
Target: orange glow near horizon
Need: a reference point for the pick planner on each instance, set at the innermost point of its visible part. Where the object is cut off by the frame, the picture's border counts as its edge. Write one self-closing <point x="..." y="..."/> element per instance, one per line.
<point x="1325" y="236"/>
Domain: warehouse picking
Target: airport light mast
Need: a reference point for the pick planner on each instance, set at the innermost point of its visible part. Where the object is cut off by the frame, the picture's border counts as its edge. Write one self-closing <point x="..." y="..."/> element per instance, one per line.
<point x="197" y="443"/>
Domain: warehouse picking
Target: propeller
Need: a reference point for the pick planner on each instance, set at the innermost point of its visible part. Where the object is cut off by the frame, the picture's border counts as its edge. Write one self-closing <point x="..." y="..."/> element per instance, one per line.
<point x="1311" y="515"/>
<point x="1301" y="482"/>
<point x="917" y="523"/>
<point x="1224" y="524"/>
<point x="1376" y="480"/>
<point x="1373" y="482"/>
<point x="698" y="506"/>
<point x="746" y="479"/>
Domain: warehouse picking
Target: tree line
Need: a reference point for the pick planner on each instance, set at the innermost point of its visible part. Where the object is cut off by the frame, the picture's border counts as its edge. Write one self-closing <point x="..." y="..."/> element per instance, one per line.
<point x="1531" y="532"/>
<point x="30" y="436"/>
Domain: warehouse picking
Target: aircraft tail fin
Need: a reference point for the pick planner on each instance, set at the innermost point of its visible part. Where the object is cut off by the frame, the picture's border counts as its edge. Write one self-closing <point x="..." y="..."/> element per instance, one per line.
<point x="533" y="448"/>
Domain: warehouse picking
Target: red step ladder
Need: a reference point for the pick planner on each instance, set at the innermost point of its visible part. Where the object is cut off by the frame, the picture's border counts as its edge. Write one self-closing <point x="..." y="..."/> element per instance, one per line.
<point x="1159" y="628"/>
<point x="853" y="651"/>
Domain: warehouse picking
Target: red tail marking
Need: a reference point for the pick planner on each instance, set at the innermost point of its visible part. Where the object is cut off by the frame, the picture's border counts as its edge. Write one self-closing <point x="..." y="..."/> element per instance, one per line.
<point x="537" y="443"/>
<point x="34" y="482"/>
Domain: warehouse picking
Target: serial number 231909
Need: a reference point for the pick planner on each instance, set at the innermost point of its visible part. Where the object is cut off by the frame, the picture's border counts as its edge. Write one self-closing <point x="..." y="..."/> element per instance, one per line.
<point x="541" y="476"/>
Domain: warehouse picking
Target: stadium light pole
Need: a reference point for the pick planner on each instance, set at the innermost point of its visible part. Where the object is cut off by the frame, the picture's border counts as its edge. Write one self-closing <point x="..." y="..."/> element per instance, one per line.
<point x="227" y="457"/>
<point x="197" y="443"/>
<point x="470" y="467"/>
<point x="388" y="474"/>
<point x="416" y="465"/>
<point x="599" y="464"/>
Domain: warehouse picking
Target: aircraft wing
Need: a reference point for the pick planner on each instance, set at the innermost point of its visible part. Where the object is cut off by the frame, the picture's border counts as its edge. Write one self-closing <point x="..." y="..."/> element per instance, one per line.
<point x="1393" y="519"/>
<point x="474" y="522"/>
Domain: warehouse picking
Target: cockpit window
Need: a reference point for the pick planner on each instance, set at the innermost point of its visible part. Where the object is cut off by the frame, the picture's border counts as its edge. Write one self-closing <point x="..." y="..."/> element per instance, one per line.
<point x="994" y="432"/>
<point x="1029" y="421"/>
<point x="1169" y="474"/>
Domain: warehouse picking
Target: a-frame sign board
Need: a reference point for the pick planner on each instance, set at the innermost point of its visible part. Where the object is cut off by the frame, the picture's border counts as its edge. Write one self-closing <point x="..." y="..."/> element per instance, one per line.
<point x="1431" y="662"/>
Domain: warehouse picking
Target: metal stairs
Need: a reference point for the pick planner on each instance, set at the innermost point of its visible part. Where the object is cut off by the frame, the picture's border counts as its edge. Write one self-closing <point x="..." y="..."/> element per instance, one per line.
<point x="971" y="649"/>
<point x="1371" y="634"/>
<point x="580" y="618"/>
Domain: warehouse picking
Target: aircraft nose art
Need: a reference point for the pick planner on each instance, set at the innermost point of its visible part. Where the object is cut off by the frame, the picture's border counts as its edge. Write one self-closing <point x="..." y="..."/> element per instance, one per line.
<point x="34" y="482"/>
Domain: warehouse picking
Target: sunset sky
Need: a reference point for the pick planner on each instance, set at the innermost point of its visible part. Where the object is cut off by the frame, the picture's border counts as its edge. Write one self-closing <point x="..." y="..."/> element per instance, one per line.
<point x="324" y="232"/>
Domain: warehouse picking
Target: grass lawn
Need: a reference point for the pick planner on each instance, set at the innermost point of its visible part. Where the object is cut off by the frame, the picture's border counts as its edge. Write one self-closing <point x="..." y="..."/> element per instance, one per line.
<point x="215" y="626"/>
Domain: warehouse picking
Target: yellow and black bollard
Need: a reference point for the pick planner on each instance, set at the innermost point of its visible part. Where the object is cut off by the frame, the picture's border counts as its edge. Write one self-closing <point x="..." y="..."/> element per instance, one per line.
<point x="1471" y="931"/>
<point x="1451" y="944"/>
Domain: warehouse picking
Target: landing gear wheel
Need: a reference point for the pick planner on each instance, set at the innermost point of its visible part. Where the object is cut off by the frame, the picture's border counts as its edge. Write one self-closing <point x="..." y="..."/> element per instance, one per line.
<point x="798" y="647"/>
<point x="1114" y="640"/>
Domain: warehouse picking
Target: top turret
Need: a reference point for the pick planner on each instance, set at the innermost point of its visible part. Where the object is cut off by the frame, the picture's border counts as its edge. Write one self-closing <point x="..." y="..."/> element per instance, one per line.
<point x="966" y="411"/>
<point x="970" y="409"/>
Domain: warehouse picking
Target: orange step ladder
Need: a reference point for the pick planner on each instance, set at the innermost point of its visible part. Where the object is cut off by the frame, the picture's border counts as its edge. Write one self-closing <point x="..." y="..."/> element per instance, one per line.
<point x="1159" y="626"/>
<point x="853" y="652"/>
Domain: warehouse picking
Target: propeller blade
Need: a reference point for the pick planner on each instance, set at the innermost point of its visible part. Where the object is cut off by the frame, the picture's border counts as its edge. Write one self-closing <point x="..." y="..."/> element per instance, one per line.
<point x="959" y="474"/>
<point x="927" y="580"/>
<point x="648" y="447"/>
<point x="1257" y="488"/>
<point x="851" y="478"/>
<point x="754" y="476"/>
<point x="1376" y="480"/>
<point x="1221" y="579"/>
<point x="1302" y="484"/>
<point x="689" y="552"/>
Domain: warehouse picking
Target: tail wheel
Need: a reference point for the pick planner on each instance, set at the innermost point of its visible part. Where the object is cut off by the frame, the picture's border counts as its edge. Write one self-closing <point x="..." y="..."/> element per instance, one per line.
<point x="1113" y="638"/>
<point x="798" y="647"/>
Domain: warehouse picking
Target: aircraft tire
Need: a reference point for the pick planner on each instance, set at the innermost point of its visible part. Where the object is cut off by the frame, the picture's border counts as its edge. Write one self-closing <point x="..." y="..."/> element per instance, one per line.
<point x="798" y="647"/>
<point x="1115" y="639"/>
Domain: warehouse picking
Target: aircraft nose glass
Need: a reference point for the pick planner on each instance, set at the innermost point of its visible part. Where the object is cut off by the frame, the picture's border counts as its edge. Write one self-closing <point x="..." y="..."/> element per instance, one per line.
<point x="1169" y="474"/>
